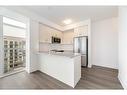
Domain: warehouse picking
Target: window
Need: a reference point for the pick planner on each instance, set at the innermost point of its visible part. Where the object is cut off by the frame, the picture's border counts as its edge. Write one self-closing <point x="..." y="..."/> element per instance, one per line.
<point x="13" y="22"/>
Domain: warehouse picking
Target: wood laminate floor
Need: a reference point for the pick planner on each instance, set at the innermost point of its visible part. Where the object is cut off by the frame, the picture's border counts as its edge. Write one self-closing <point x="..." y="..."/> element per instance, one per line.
<point x="92" y="78"/>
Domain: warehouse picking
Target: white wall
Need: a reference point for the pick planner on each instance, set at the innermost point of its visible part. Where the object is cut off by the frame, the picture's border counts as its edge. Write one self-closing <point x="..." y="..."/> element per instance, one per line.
<point x="105" y="43"/>
<point x="33" y="45"/>
<point x="123" y="46"/>
<point x="34" y="16"/>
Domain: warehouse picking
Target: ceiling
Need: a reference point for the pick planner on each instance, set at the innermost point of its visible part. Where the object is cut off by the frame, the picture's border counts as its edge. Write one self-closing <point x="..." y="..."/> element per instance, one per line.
<point x="57" y="14"/>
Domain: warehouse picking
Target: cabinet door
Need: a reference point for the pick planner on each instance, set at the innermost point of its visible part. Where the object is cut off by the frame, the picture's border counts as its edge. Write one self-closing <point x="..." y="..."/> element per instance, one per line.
<point x="44" y="35"/>
<point x="83" y="30"/>
<point x="76" y="32"/>
<point x="68" y="36"/>
<point x="56" y="33"/>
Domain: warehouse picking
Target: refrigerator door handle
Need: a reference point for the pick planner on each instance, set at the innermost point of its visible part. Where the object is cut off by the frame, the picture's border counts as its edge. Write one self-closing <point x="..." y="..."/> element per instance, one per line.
<point x="78" y="50"/>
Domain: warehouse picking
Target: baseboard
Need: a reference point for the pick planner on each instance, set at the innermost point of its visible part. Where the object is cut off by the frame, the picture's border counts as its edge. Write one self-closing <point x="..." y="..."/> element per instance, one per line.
<point x="105" y="66"/>
<point x="122" y="83"/>
<point x="89" y="65"/>
<point x="33" y="70"/>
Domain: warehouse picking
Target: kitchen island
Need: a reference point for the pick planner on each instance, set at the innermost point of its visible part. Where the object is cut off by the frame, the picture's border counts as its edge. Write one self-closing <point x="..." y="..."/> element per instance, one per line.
<point x="64" y="66"/>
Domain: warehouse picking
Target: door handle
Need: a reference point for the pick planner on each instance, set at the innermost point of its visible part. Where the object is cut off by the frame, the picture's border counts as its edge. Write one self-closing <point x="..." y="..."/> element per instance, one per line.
<point x="78" y="50"/>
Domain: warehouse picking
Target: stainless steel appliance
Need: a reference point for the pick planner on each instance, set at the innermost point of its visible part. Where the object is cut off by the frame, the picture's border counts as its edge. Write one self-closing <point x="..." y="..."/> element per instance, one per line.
<point x="81" y="46"/>
<point x="56" y="40"/>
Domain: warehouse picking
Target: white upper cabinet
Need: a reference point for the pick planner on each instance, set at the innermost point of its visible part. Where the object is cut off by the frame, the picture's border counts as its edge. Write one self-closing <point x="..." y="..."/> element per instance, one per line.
<point x="56" y="33"/>
<point x="44" y="34"/>
<point x="47" y="32"/>
<point x="81" y="31"/>
<point x="68" y="36"/>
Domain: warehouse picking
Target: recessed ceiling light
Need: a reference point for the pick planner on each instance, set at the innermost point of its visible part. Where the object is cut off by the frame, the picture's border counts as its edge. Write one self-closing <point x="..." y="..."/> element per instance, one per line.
<point x="67" y="21"/>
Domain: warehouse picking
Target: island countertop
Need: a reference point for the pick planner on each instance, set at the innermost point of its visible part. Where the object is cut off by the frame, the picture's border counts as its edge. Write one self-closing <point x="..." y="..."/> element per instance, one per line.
<point x="65" y="53"/>
<point x="64" y="66"/>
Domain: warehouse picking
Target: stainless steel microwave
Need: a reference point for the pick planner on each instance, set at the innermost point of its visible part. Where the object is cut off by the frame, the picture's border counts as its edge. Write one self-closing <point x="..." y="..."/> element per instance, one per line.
<point x="56" y="40"/>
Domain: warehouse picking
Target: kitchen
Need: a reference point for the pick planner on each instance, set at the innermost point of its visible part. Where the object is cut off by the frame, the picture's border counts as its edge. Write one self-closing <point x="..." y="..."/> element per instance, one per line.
<point x="64" y="52"/>
<point x="68" y="53"/>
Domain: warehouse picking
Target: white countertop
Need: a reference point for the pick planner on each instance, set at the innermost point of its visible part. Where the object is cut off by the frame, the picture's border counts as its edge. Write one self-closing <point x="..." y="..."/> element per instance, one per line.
<point x="66" y="53"/>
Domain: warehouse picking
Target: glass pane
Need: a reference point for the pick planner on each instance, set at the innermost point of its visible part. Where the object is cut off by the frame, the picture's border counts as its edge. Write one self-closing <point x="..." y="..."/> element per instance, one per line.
<point x="14" y="45"/>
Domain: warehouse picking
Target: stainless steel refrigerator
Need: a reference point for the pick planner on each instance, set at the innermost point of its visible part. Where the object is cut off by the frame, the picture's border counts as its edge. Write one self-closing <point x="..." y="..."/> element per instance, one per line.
<point x="81" y="46"/>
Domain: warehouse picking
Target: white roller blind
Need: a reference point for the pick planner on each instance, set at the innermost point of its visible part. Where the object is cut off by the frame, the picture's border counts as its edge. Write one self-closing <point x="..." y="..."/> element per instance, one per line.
<point x="13" y="31"/>
<point x="13" y="22"/>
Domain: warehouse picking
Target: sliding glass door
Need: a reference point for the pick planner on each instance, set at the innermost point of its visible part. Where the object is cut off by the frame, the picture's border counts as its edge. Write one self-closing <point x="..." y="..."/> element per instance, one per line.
<point x="14" y="53"/>
<point x="14" y="43"/>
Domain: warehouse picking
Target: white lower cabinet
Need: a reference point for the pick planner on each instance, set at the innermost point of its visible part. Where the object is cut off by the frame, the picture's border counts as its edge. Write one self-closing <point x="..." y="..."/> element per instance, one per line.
<point x="64" y="68"/>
